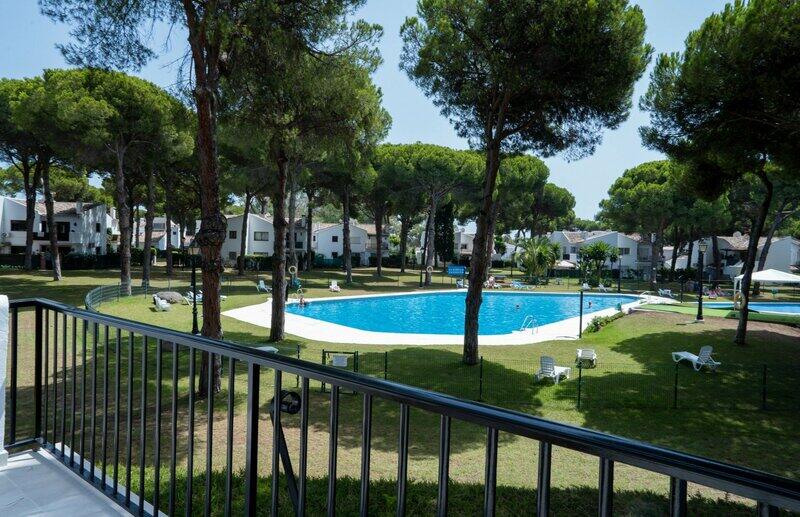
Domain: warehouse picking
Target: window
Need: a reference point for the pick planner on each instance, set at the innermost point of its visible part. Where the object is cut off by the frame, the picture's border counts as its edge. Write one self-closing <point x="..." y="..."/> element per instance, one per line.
<point x="334" y="238"/>
<point x="313" y="238"/>
<point x="463" y="246"/>
<point x="335" y="254"/>
<point x="232" y="255"/>
<point x="232" y="234"/>
<point x="573" y="249"/>
<point x="624" y="251"/>
<point x="97" y="228"/>
<point x="260" y="236"/>
<point x="18" y="226"/>
<point x="159" y="226"/>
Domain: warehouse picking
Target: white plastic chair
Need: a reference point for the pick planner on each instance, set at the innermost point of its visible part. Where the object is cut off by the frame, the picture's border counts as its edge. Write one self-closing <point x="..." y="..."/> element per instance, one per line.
<point x="603" y="289"/>
<point x="586" y="356"/>
<point x="549" y="370"/>
<point x="161" y="305"/>
<point x="703" y="359"/>
<point x="334" y="287"/>
<point x="263" y="287"/>
<point x="586" y="287"/>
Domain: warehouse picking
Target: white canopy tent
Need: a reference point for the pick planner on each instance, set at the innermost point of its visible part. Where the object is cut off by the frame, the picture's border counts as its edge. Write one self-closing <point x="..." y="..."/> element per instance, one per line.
<point x="768" y="276"/>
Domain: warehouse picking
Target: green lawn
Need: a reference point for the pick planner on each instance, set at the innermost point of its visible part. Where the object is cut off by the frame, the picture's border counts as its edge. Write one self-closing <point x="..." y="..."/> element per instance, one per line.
<point x="634" y="366"/>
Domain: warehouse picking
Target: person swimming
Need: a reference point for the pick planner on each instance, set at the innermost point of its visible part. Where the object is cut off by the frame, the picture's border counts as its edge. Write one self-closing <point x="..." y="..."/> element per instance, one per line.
<point x="590" y="304"/>
<point x="303" y="301"/>
<point x="517" y="307"/>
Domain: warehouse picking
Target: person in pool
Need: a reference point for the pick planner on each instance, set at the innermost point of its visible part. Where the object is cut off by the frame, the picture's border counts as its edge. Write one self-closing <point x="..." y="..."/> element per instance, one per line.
<point x="590" y="304"/>
<point x="303" y="301"/>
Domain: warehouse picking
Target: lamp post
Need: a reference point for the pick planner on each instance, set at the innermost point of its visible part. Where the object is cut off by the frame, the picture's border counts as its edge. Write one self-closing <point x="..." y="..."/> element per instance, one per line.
<point x="702" y="246"/>
<point x="193" y="252"/>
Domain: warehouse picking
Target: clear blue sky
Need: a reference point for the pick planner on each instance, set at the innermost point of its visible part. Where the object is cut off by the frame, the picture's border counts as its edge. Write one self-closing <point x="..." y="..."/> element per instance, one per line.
<point x="27" y="45"/>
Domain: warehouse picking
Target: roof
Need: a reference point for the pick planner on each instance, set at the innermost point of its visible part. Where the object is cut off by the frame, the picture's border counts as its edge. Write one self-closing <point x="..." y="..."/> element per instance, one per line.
<point x="65" y="207"/>
<point x="740" y="242"/>
<point x="573" y="237"/>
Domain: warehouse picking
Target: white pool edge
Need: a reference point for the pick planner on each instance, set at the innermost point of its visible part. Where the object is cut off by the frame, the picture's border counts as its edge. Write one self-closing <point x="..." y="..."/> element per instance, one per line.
<point x="319" y="330"/>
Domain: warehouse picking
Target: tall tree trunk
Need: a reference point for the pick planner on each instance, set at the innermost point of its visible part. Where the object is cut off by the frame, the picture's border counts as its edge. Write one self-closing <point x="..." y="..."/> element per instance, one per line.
<point x="276" y="328"/>
<point x="676" y="248"/>
<point x="148" y="228"/>
<point x="262" y="201"/>
<point x="182" y="231"/>
<point x="690" y="248"/>
<point x="248" y="199"/>
<point x="430" y="233"/>
<point x="716" y="258"/>
<point x="478" y="267"/>
<point x="749" y="265"/>
<point x="490" y="240"/>
<point x="405" y="226"/>
<point x="379" y="212"/>
<point x="124" y="223"/>
<point x="51" y="222"/>
<point x="292" y="214"/>
<point x="654" y="263"/>
<point x="138" y="219"/>
<point x="30" y="185"/>
<point x="168" y="215"/>
<point x="780" y="216"/>
<point x="309" y="233"/>
<point x="213" y="225"/>
<point x="425" y="251"/>
<point x="347" y="259"/>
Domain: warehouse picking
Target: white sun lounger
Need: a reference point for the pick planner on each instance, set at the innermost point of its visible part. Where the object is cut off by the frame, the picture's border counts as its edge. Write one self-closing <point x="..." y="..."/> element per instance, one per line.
<point x="261" y="286"/>
<point x="666" y="293"/>
<point x="586" y="287"/>
<point x="603" y="289"/>
<point x="586" y="357"/>
<point x="161" y="305"/>
<point x="549" y="370"/>
<point x="698" y="361"/>
<point x="334" y="287"/>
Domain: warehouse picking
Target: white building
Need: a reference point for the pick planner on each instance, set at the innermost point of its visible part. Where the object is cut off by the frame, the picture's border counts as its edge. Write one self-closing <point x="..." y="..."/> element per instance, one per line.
<point x="783" y="253"/>
<point x="260" y="238"/>
<point x="326" y="240"/>
<point x="463" y="242"/>
<point x="632" y="252"/>
<point x="80" y="227"/>
<point x="159" y="236"/>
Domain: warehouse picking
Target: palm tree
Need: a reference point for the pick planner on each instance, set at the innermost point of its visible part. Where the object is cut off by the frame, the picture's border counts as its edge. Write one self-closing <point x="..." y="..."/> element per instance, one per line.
<point x="537" y="255"/>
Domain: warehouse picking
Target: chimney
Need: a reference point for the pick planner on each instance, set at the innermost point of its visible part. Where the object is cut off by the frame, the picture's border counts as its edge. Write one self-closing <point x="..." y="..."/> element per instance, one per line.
<point x="79" y="207"/>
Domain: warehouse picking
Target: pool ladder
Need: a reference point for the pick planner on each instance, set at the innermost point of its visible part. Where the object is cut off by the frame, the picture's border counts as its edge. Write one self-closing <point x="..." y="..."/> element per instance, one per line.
<point x="528" y="323"/>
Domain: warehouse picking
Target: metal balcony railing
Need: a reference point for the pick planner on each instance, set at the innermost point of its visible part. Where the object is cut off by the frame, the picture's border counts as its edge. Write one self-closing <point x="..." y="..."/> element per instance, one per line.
<point x="120" y="361"/>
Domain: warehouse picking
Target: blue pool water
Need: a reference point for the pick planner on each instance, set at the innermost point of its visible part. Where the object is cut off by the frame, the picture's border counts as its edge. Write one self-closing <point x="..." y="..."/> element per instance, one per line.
<point x="780" y="307"/>
<point x="443" y="313"/>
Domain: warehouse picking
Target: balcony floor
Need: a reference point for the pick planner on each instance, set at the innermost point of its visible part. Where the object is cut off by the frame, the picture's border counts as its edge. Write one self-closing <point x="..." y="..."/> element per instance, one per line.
<point x="35" y="483"/>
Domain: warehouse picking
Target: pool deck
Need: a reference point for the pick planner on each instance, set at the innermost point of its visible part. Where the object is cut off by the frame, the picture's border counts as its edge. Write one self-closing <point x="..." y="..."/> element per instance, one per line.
<point x="318" y="330"/>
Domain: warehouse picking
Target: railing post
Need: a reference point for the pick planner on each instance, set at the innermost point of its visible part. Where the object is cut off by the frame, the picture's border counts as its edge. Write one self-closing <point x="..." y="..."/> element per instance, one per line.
<point x="764" y="388"/>
<point x="3" y="356"/>
<point x="606" y="496"/>
<point x="385" y="365"/>
<point x="543" y="480"/>
<point x="677" y="497"/>
<point x="580" y="383"/>
<point x="37" y="374"/>
<point x="251" y="454"/>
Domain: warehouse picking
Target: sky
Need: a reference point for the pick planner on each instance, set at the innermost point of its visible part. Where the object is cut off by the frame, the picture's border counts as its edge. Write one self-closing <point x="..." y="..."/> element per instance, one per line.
<point x="28" y="45"/>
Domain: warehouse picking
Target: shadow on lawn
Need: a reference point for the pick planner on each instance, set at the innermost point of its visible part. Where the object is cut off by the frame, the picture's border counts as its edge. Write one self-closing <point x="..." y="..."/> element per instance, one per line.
<point x="719" y="414"/>
<point x="464" y="498"/>
<point x="431" y="369"/>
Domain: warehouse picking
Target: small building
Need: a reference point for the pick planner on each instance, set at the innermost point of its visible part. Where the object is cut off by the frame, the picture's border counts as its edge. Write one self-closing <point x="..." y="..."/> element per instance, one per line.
<point x="632" y="252"/>
<point x="783" y="253"/>
<point x="80" y="227"/>
<point x="327" y="239"/>
<point x="260" y="238"/>
<point x="159" y="237"/>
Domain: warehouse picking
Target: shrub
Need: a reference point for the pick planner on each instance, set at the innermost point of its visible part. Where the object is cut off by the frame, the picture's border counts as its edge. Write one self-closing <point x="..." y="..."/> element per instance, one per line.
<point x="599" y="322"/>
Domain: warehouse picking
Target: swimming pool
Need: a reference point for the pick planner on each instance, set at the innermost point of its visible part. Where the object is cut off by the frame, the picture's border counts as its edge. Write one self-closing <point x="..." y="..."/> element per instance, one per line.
<point x="443" y="313"/>
<point x="773" y="307"/>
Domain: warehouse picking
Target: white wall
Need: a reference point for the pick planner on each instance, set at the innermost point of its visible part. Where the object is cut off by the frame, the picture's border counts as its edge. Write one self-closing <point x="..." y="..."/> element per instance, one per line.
<point x="323" y="241"/>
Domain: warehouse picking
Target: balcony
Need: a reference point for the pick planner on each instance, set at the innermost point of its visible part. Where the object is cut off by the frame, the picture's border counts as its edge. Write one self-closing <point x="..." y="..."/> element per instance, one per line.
<point x="109" y="396"/>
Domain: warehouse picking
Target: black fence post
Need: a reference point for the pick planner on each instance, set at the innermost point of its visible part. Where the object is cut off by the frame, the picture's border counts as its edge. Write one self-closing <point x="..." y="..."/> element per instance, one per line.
<point x="297" y="377"/>
<point x="580" y="378"/>
<point x="322" y="384"/>
<point x="580" y="317"/>
<point x="675" y="389"/>
<point x="37" y="372"/>
<point x="385" y="365"/>
<point x="480" y="380"/>
<point x="764" y="388"/>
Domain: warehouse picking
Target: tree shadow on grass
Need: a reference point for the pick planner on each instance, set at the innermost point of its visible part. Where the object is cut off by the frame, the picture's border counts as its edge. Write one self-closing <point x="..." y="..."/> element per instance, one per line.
<point x="421" y="498"/>
<point x="431" y="369"/>
<point x="714" y="414"/>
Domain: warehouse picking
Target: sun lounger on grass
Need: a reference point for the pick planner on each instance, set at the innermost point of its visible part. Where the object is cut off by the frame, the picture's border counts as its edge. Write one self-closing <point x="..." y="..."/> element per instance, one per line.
<point x="703" y="359"/>
<point x="549" y="370"/>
